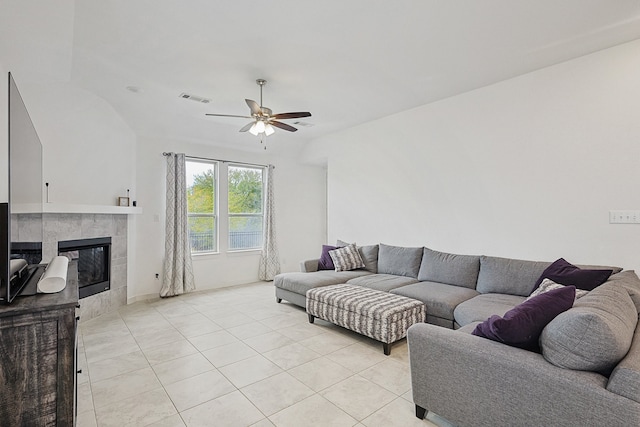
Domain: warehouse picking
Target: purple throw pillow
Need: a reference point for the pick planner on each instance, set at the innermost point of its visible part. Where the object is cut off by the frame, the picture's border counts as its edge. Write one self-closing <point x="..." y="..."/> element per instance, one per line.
<point x="565" y="273"/>
<point x="325" y="262"/>
<point x="522" y="325"/>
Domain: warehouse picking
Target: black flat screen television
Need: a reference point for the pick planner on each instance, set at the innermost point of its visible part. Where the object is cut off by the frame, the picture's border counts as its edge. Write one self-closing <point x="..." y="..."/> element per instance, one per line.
<point x="24" y="186"/>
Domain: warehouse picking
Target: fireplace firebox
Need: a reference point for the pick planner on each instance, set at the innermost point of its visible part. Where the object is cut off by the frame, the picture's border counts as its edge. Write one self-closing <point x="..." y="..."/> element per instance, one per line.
<point x="94" y="263"/>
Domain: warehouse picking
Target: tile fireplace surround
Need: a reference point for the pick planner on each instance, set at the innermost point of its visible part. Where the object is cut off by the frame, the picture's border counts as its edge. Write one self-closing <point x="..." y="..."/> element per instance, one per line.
<point x="71" y="226"/>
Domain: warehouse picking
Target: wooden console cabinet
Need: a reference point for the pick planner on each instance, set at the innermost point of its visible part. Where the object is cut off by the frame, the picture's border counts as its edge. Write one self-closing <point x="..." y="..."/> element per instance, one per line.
<point x="38" y="359"/>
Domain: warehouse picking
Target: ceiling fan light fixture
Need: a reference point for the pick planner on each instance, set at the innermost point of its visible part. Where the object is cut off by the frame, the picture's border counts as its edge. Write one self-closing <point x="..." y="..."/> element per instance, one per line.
<point x="268" y="129"/>
<point x="260" y="126"/>
<point x="253" y="130"/>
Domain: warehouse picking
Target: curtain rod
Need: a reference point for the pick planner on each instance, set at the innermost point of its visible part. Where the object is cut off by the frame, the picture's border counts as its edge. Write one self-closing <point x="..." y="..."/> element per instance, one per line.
<point x="223" y="161"/>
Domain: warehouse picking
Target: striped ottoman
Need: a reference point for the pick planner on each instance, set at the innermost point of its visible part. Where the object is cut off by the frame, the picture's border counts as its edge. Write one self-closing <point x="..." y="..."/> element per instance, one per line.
<point x="379" y="315"/>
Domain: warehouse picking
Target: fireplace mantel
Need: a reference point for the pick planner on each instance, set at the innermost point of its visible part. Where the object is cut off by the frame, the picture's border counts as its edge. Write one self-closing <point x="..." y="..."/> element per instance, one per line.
<point x="75" y="208"/>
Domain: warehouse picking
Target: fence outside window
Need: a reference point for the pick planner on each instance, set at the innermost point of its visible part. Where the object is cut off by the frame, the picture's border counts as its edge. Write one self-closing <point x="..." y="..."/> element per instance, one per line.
<point x="205" y="242"/>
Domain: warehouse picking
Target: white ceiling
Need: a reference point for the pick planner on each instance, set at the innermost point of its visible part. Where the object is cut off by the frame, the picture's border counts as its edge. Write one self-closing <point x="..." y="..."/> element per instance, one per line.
<point x="345" y="61"/>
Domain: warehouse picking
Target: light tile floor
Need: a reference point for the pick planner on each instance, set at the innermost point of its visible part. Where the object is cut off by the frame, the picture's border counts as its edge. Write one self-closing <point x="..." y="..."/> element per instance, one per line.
<point x="234" y="357"/>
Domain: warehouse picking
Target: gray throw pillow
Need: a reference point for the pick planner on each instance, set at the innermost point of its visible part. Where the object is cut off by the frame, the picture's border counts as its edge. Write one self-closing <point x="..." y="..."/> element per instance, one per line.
<point x="452" y="269"/>
<point x="595" y="334"/>
<point x="399" y="260"/>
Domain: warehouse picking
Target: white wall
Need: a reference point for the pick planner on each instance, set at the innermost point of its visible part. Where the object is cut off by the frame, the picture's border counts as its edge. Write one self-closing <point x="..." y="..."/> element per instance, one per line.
<point x="300" y="217"/>
<point x="88" y="150"/>
<point x="525" y="168"/>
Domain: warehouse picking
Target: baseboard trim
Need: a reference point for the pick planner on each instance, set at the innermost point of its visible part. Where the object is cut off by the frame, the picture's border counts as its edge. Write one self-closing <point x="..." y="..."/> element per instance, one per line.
<point x="156" y="296"/>
<point x="145" y="297"/>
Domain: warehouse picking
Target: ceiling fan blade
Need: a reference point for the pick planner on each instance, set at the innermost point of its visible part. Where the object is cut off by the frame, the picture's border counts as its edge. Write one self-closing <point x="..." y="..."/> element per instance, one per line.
<point x="247" y="127"/>
<point x="280" y="116"/>
<point x="228" y="115"/>
<point x="253" y="105"/>
<point x="283" y="126"/>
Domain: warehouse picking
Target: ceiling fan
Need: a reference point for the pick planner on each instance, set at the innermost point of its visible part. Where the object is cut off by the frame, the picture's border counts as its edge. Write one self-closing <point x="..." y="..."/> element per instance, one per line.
<point x="263" y="118"/>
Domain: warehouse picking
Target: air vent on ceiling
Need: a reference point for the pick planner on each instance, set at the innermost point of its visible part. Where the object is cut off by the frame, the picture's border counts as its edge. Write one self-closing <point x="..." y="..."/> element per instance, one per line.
<point x="195" y="98"/>
<point x="303" y="124"/>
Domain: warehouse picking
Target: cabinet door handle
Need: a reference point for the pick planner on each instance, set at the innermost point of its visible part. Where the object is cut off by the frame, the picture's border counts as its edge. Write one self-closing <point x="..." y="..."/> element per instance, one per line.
<point x="79" y="371"/>
<point x="77" y="317"/>
<point x="77" y="305"/>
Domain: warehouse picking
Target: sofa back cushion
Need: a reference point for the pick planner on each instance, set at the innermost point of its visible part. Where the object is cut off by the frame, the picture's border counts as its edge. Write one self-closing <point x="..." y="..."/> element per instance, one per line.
<point x="451" y="269"/>
<point x="399" y="260"/>
<point x="508" y="276"/>
<point x="595" y="334"/>
<point x="369" y="255"/>
<point x="629" y="280"/>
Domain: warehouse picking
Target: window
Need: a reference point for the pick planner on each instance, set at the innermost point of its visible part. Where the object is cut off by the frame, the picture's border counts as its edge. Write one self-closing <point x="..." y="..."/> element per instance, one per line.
<point x="241" y="198"/>
<point x="202" y="205"/>
<point x="245" y="207"/>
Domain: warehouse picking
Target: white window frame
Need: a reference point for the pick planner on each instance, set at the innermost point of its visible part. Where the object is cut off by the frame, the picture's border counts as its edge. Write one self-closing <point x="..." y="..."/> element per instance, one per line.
<point x="216" y="217"/>
<point x="245" y="215"/>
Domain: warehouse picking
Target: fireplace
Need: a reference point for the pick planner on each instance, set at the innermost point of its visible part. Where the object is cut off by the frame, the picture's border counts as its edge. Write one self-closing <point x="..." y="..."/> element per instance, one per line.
<point x="94" y="263"/>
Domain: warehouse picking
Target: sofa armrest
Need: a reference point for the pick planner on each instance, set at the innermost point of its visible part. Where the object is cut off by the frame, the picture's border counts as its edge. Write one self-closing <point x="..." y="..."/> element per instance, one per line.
<point x="477" y="382"/>
<point x="309" y="265"/>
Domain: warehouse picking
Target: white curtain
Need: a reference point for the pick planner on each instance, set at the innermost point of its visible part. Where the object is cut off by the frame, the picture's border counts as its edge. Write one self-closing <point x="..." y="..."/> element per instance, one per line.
<point x="269" y="259"/>
<point x="178" y="269"/>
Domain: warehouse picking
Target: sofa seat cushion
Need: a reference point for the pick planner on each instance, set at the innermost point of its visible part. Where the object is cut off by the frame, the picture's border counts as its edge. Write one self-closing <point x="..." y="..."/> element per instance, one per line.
<point x="452" y="269"/>
<point x="508" y="276"/>
<point x="595" y="334"/>
<point x="481" y="307"/>
<point x="441" y="299"/>
<point x="300" y="283"/>
<point x="382" y="282"/>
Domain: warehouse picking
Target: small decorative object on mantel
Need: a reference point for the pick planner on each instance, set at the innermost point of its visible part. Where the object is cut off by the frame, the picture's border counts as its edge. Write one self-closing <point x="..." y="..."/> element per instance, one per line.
<point x="124" y="201"/>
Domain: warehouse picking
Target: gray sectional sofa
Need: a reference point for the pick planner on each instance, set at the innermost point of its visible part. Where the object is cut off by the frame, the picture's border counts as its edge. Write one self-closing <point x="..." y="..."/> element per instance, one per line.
<point x="475" y="381"/>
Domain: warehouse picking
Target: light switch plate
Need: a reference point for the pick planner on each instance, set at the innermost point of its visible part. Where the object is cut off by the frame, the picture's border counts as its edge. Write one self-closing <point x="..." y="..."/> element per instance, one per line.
<point x="624" y="217"/>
